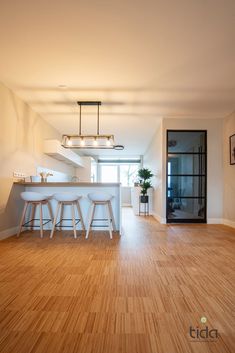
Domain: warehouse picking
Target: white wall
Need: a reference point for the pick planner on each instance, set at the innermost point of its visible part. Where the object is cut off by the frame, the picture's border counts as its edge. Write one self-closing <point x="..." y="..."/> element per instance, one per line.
<point x="84" y="173"/>
<point x="229" y="173"/>
<point x="21" y="140"/>
<point x="126" y="195"/>
<point x="153" y="159"/>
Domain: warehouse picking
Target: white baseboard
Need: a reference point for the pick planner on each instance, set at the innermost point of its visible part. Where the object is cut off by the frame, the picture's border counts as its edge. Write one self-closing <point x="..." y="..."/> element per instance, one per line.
<point x="209" y="221"/>
<point x="8" y="233"/>
<point x="229" y="223"/>
<point x="226" y="222"/>
<point x="159" y="218"/>
<point x="215" y="221"/>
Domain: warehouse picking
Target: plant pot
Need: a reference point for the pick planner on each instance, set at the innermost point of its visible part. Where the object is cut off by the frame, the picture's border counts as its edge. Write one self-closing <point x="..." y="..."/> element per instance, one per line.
<point x="43" y="179"/>
<point x="144" y="198"/>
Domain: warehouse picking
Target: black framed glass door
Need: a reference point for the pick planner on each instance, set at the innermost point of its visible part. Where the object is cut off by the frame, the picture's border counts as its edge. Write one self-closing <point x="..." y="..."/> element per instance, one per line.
<point x="186" y="191"/>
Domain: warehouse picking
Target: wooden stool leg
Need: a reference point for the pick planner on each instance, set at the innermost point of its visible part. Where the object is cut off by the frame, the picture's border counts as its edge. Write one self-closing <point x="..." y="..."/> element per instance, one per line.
<point x="41" y="220"/>
<point x="32" y="215"/>
<point x="73" y="219"/>
<point x="111" y="215"/>
<point x="50" y="211"/>
<point x="91" y="215"/>
<point x="22" y="218"/>
<point x="54" y="222"/>
<point x="80" y="215"/>
<point x="109" y="220"/>
<point x="61" y="216"/>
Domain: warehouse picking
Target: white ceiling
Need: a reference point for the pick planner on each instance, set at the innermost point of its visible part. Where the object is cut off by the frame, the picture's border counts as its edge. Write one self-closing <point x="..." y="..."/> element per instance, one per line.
<point x="143" y="59"/>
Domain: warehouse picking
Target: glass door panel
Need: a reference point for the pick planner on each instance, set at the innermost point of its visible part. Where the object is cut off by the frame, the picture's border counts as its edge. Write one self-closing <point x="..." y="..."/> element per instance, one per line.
<point x="193" y="164"/>
<point x="186" y="176"/>
<point x="186" y="208"/>
<point x="190" y="186"/>
<point x="187" y="141"/>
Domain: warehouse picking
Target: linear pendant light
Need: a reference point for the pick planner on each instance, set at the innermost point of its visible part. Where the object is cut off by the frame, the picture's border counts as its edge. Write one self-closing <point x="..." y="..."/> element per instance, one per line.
<point x="97" y="141"/>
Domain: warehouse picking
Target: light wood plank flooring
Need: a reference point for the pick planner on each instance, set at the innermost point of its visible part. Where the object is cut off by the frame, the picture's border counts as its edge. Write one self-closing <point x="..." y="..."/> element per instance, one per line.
<point x="136" y="294"/>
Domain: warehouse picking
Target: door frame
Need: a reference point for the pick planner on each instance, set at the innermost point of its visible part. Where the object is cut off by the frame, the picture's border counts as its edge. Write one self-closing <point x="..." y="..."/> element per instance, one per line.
<point x="189" y="220"/>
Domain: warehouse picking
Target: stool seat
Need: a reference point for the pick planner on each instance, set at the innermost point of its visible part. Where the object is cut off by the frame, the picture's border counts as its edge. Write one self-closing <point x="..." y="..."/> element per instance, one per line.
<point x="31" y="196"/>
<point x="100" y="196"/>
<point x="66" y="197"/>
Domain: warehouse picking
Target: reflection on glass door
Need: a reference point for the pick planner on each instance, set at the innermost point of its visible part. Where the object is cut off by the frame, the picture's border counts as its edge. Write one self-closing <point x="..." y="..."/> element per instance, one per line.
<point x="186" y="176"/>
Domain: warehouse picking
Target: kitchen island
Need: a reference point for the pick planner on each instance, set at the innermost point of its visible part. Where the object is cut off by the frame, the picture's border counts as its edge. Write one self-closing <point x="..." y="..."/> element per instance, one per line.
<point x="78" y="188"/>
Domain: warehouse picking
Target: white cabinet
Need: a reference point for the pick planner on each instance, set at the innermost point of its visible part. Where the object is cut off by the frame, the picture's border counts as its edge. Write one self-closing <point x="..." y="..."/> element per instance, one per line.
<point x="54" y="149"/>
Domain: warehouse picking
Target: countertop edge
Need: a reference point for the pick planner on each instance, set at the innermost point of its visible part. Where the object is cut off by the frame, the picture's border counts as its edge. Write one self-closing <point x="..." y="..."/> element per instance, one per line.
<point x="71" y="184"/>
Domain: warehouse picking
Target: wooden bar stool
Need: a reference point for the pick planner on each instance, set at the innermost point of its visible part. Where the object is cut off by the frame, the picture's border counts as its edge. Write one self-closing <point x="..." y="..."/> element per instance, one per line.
<point x="103" y="199"/>
<point x="67" y="199"/>
<point x="35" y="199"/>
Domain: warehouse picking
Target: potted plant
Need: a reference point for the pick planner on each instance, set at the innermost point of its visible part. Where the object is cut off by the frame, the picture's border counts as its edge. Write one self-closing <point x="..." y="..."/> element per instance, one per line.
<point x="145" y="175"/>
<point x="44" y="176"/>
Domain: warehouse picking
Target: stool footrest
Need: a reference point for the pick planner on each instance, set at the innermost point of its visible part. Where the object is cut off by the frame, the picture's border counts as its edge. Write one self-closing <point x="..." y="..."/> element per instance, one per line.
<point x="100" y="225"/>
<point x="77" y="220"/>
<point x="27" y="224"/>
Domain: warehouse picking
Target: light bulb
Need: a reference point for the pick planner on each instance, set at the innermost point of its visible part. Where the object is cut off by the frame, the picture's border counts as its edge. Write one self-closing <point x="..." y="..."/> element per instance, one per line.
<point x="82" y="143"/>
<point x="108" y="142"/>
<point x="95" y="143"/>
<point x="69" y="143"/>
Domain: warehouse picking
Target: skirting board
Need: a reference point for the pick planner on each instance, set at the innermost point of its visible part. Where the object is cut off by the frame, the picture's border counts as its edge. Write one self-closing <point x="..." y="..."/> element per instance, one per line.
<point x="229" y="223"/>
<point x="209" y="221"/>
<point x="8" y="233"/>
<point x="226" y="222"/>
<point x="214" y="221"/>
<point x="159" y="219"/>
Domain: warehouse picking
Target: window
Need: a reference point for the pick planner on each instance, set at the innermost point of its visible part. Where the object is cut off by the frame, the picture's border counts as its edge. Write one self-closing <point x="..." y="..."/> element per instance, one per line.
<point x="122" y="171"/>
<point x="109" y="174"/>
<point x="128" y="174"/>
<point x="93" y="172"/>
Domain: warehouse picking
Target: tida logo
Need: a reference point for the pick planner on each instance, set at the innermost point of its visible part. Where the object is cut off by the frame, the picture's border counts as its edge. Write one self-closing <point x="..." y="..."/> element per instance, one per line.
<point x="203" y="334"/>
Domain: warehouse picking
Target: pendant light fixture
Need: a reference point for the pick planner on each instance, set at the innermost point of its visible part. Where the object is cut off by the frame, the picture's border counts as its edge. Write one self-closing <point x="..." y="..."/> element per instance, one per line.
<point x="97" y="141"/>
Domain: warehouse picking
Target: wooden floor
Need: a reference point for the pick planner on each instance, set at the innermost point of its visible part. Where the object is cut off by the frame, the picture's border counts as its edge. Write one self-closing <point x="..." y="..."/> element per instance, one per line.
<point x="136" y="294"/>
